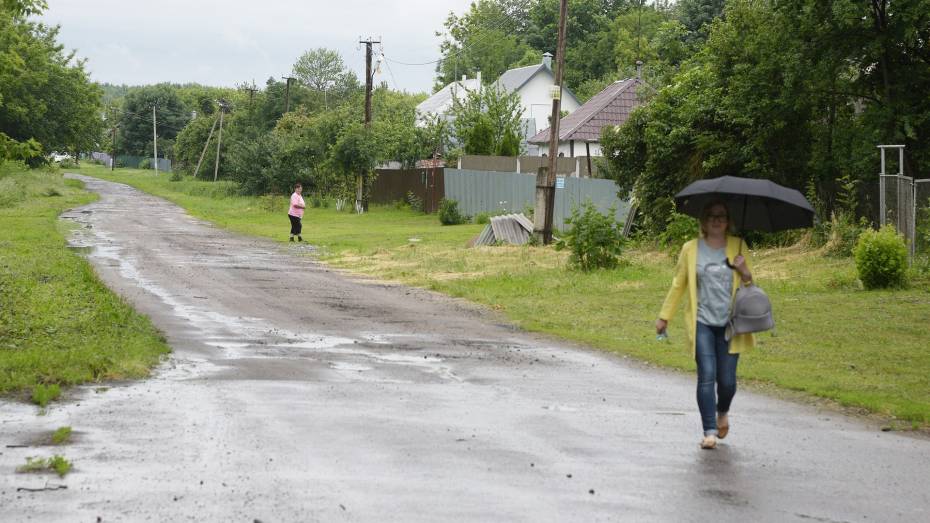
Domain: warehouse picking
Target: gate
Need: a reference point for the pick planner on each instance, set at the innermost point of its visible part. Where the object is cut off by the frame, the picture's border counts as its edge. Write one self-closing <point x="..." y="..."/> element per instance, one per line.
<point x="905" y="202"/>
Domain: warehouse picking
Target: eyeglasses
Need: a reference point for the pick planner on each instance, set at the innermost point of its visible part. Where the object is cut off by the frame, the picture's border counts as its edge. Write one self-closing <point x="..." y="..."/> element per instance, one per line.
<point x="717" y="217"/>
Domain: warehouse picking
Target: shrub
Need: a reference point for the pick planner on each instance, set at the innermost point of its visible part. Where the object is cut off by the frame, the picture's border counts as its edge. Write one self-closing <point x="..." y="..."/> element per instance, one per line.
<point x="176" y="176"/>
<point x="595" y="240"/>
<point x="841" y="234"/>
<point x="449" y="213"/>
<point x="67" y="164"/>
<point x="679" y="228"/>
<point x="415" y="202"/>
<point x="146" y="163"/>
<point x="881" y="258"/>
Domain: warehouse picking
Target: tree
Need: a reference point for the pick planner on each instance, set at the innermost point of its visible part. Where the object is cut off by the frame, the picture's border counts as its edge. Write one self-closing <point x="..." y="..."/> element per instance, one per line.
<point x="320" y="68"/>
<point x="487" y="122"/>
<point x="136" y="122"/>
<point x="45" y="94"/>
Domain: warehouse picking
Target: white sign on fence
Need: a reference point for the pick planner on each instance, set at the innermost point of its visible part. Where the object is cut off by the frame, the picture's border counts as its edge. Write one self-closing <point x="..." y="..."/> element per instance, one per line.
<point x="559" y="182"/>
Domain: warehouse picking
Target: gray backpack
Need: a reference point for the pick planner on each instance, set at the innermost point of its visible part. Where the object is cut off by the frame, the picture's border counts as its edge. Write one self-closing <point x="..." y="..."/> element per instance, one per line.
<point x="752" y="312"/>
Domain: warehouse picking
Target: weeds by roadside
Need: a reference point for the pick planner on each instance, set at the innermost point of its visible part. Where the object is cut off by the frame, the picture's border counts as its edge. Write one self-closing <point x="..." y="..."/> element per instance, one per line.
<point x="61" y="436"/>
<point x="57" y="464"/>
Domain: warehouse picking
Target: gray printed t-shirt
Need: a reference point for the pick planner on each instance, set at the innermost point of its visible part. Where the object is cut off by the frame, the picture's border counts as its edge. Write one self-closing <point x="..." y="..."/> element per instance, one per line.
<point x="714" y="285"/>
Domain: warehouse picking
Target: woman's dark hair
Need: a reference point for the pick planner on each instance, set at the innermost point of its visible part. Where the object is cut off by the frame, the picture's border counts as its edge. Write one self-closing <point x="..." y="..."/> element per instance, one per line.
<point x="298" y="184"/>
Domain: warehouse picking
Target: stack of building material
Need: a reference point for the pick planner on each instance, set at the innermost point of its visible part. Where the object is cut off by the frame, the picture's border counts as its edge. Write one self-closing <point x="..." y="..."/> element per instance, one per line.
<point x="514" y="229"/>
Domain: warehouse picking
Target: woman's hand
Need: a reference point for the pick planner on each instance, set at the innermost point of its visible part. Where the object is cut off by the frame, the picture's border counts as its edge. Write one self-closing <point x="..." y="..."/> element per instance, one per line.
<point x="739" y="263"/>
<point x="661" y="325"/>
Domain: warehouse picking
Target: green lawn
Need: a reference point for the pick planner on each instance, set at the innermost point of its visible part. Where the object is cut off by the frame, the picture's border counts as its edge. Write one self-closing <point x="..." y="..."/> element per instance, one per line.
<point x="834" y="340"/>
<point x="58" y="323"/>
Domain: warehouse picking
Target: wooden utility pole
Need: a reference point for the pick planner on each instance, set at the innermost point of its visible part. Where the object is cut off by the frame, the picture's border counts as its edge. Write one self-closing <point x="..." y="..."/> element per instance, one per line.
<point x="219" y="141"/>
<point x="287" y="93"/>
<point x="202" y="153"/>
<point x="362" y="195"/>
<point x="155" y="139"/>
<point x="545" y="178"/>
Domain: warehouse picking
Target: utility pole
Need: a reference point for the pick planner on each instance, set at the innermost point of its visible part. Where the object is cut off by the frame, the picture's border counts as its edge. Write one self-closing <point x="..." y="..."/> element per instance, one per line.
<point x="155" y="138"/>
<point x="251" y="91"/>
<point x="545" y="178"/>
<point x="362" y="196"/>
<point x="202" y="153"/>
<point x="287" y="93"/>
<point x="219" y="140"/>
<point x="113" y="158"/>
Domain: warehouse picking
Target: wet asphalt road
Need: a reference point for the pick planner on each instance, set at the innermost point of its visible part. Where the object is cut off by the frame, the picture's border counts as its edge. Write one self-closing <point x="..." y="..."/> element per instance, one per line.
<point x="297" y="394"/>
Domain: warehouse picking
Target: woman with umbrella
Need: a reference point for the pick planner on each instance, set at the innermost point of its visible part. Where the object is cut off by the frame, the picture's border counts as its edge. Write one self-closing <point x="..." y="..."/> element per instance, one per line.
<point x="704" y="270"/>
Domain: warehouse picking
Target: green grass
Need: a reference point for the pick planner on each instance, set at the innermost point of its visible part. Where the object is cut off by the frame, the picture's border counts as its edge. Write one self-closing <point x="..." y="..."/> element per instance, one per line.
<point x="59" y="325"/>
<point x="866" y="349"/>
<point x="61" y="435"/>
<point x="57" y="464"/>
<point x="43" y="394"/>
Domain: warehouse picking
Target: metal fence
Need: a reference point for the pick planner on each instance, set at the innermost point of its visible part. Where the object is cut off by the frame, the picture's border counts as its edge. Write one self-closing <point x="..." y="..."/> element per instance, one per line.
<point x="904" y="201"/>
<point x="499" y="192"/>
<point x="574" y="166"/>
<point x="391" y="185"/>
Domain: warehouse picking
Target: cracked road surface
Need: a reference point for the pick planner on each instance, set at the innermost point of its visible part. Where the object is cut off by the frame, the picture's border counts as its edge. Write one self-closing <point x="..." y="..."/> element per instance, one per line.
<point x="295" y="393"/>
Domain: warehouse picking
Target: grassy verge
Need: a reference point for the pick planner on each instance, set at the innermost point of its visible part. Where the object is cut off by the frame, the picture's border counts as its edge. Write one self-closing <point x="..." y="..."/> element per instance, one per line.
<point x="862" y="349"/>
<point x="58" y="323"/>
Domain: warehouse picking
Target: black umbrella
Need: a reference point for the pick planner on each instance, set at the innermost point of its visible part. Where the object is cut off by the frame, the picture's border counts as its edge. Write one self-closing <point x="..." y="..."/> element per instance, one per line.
<point x="758" y="205"/>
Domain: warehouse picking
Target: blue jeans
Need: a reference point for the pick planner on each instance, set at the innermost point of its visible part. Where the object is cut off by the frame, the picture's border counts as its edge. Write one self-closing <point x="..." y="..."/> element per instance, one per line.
<point x="715" y="366"/>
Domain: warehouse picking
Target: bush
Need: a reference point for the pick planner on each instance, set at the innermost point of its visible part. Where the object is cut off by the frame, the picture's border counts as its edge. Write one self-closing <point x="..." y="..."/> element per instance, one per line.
<point x="449" y="213"/>
<point x="414" y="201"/>
<point x="176" y="176"/>
<point x="679" y="228"/>
<point x="594" y="239"/>
<point x="881" y="258"/>
<point x="68" y="164"/>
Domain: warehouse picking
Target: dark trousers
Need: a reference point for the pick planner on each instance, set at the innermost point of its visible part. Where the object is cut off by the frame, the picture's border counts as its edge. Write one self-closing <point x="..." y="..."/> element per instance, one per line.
<point x="295" y="225"/>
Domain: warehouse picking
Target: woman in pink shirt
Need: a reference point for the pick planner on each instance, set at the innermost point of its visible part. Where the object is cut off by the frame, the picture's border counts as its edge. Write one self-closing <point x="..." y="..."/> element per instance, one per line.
<point x="296" y="212"/>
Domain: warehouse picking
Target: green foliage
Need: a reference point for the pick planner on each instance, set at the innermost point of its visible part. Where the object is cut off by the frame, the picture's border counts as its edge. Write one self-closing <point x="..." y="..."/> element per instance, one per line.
<point x="43" y="394"/>
<point x="798" y="92"/>
<point x="679" y="229"/>
<point x="841" y="233"/>
<point x="45" y="95"/>
<point x="414" y="201"/>
<point x="881" y="258"/>
<point x="483" y="218"/>
<point x="61" y="435"/>
<point x="135" y="126"/>
<point x="594" y="240"/>
<point x="449" y="213"/>
<point x="487" y="122"/>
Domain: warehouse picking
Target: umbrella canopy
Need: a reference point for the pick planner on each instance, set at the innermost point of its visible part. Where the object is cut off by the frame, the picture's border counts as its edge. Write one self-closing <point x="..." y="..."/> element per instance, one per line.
<point x="759" y="205"/>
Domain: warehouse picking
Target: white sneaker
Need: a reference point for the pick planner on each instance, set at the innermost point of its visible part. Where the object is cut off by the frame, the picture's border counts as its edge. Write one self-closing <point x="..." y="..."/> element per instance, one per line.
<point x="709" y="442"/>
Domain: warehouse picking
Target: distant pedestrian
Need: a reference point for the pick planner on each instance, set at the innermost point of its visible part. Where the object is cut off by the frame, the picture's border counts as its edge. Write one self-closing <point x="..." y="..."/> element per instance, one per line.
<point x="296" y="212"/>
<point x="711" y="285"/>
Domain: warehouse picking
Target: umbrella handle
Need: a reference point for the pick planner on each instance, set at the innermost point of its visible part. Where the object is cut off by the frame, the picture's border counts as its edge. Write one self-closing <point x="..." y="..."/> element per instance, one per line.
<point x="727" y="260"/>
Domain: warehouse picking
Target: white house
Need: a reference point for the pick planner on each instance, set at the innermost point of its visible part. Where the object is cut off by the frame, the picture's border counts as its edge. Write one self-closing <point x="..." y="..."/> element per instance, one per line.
<point x="580" y="132"/>
<point x="440" y="103"/>
<point x="533" y="84"/>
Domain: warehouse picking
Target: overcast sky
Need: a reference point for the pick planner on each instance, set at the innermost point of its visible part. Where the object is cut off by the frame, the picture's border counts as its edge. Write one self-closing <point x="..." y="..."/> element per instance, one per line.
<point x="228" y="42"/>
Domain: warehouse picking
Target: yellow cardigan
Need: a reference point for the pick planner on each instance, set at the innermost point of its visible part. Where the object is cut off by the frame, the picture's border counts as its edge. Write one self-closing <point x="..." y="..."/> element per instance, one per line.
<point x="686" y="276"/>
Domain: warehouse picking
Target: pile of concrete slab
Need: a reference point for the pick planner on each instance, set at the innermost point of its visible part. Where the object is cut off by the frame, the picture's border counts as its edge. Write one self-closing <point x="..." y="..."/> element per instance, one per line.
<point x="515" y="229"/>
